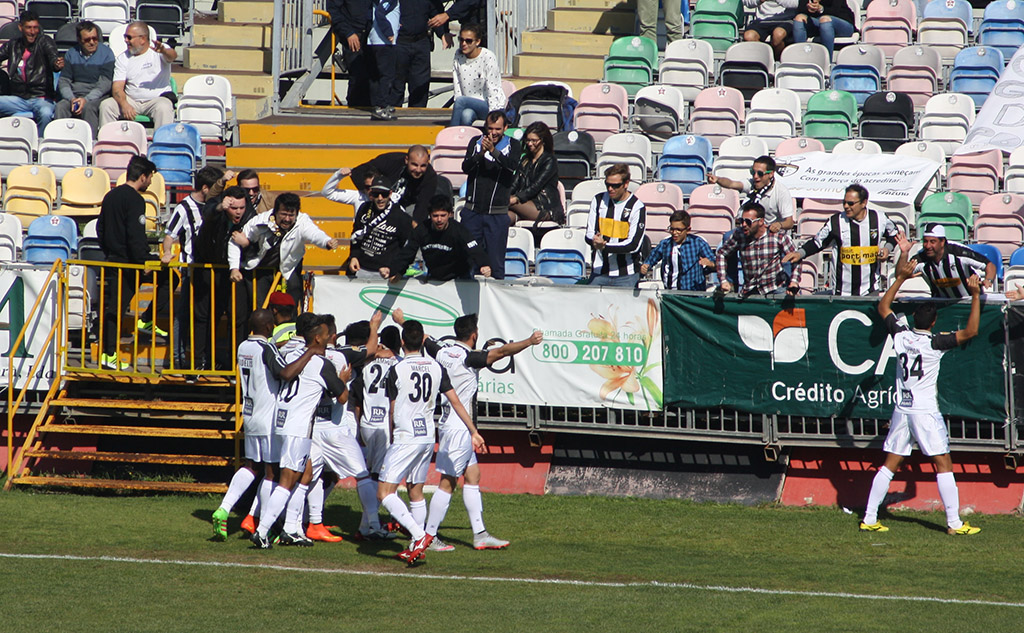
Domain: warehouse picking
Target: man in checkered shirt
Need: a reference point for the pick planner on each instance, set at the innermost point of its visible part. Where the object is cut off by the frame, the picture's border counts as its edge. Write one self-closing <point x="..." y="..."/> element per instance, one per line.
<point x="761" y="252"/>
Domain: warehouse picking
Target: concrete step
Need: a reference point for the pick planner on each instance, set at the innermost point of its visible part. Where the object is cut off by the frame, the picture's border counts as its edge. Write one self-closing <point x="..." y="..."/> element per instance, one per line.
<point x="299" y="179"/>
<point x="320" y="208"/>
<point x="554" y="43"/>
<point x="247" y="11"/>
<point x="620" y="5"/>
<point x="250" y="108"/>
<point x="299" y="157"/>
<point x="318" y="134"/>
<point x="218" y="58"/>
<point x="585" y="67"/>
<point x="238" y="34"/>
<point x="243" y="83"/>
<point x="592" y="21"/>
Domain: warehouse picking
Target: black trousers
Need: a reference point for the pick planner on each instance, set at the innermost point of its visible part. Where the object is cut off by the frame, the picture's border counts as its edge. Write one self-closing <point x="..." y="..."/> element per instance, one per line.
<point x="358" y="77"/>
<point x="413" y="70"/>
<point x="211" y="302"/>
<point x="115" y="304"/>
<point x="382" y="61"/>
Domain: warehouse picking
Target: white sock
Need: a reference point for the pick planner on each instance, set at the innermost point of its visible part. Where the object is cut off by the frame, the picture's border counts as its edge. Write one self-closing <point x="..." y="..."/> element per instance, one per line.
<point x="241" y="481"/>
<point x="879" y="487"/>
<point x="367" y="489"/>
<point x="316" y="502"/>
<point x="474" y="507"/>
<point x="397" y="508"/>
<point x="272" y="509"/>
<point x="296" y="504"/>
<point x="418" y="509"/>
<point x="438" y="508"/>
<point x="263" y="498"/>
<point x="950" y="498"/>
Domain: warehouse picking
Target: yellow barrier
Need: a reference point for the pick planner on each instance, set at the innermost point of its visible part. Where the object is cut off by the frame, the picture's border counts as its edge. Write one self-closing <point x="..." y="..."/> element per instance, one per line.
<point x="335" y="100"/>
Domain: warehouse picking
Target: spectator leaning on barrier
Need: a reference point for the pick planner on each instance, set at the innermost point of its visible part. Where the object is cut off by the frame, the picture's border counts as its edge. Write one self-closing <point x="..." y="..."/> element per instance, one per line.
<point x="449" y="251"/>
<point x="413" y="179"/>
<point x="142" y="80"/>
<point x="945" y="265"/>
<point x="683" y="257"/>
<point x="380" y="229"/>
<point x="615" y="231"/>
<point x="30" y="61"/>
<point x="761" y="253"/>
<point x="87" y="77"/>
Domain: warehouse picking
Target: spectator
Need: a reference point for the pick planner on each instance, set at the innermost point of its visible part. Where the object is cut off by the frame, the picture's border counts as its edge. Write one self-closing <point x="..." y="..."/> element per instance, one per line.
<point x="945" y="265"/>
<point x="476" y="79"/>
<point x="86" y="78"/>
<point x="382" y="60"/>
<point x="355" y="197"/>
<point x="380" y="229"/>
<point x="279" y="239"/>
<point x="350" y="23"/>
<point x="827" y="19"/>
<point x="615" y="230"/>
<point x="535" y="190"/>
<point x="772" y="23"/>
<point x="142" y="81"/>
<point x="30" y="62"/>
<point x="683" y="257"/>
<point x="763" y="188"/>
<point x="449" y="251"/>
<point x="463" y="12"/>
<point x="414" y="46"/>
<point x="490" y="164"/>
<point x="647" y="13"/>
<point x="861" y="238"/>
<point x="282" y="305"/>
<point x="414" y="181"/>
<point x="258" y="200"/>
<point x="212" y="288"/>
<point x="121" y="230"/>
<point x="762" y="254"/>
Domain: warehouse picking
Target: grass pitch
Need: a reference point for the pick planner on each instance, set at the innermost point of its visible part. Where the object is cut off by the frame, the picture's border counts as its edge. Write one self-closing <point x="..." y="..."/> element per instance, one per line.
<point x="575" y="564"/>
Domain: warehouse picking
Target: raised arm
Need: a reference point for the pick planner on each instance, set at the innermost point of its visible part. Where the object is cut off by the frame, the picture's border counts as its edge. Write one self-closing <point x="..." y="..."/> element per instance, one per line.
<point x="903" y="272"/>
<point x="513" y="348"/>
<point x="973" y="321"/>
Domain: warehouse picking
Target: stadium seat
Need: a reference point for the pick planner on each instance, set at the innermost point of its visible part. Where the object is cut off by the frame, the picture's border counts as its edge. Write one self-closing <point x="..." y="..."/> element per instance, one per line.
<point x="950" y="209"/>
<point x="115" y="145"/>
<point x="712" y="225"/>
<point x="902" y="214"/>
<point x="31" y="190"/>
<point x="106" y="14"/>
<point x="1001" y="205"/>
<point x="632" y="149"/>
<point x="773" y="116"/>
<point x="931" y="151"/>
<point x="830" y="117"/>
<point x="53" y="14"/>
<point x="688" y="65"/>
<point x="748" y="67"/>
<point x="859" y="70"/>
<point x="736" y="155"/>
<point x="449" y="151"/>
<point x="661" y="199"/>
<point x="717" y="114"/>
<point x="66" y="37"/>
<point x="205" y="103"/>
<point x="82" y="191"/>
<point x="1014" y="177"/>
<point x="977" y="175"/>
<point x="993" y="254"/>
<point x="10" y="238"/>
<point x="1005" y="235"/>
<point x="50" y="238"/>
<point x="889" y="25"/>
<point x="177" y="150"/>
<point x="576" y="155"/>
<point x="657" y="111"/>
<point x="685" y="161"/>
<point x="1002" y="26"/>
<point x="9" y="10"/>
<point x="946" y="120"/>
<point x="602" y="110"/>
<point x="887" y="118"/>
<point x="915" y="71"/>
<point x="631" y="62"/>
<point x="800" y="145"/>
<point x="803" y="68"/>
<point x="975" y="72"/>
<point x="165" y="17"/>
<point x="518" y="253"/>
<point x="945" y="26"/>
<point x="563" y="255"/>
<point x="717" y="22"/>
<point x="19" y="140"/>
<point x="712" y="211"/>
<point x="860" y="146"/>
<point x="66" y="144"/>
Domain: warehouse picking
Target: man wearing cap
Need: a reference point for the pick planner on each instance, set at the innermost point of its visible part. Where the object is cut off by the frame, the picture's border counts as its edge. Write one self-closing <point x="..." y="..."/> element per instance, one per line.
<point x="945" y="265"/>
<point x="381" y="228"/>
<point x="413" y="180"/>
<point x="282" y="306"/>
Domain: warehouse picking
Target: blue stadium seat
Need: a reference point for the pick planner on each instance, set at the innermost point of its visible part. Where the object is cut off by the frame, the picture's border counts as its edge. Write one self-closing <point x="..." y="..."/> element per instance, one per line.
<point x="975" y="72"/>
<point x="562" y="256"/>
<point x="993" y="255"/>
<point x="685" y="161"/>
<point x="1002" y="26"/>
<point x="177" y="149"/>
<point x="49" y="238"/>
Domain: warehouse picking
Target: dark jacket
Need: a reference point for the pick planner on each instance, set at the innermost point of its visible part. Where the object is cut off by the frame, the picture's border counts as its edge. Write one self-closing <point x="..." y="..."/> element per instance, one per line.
<point x="121" y="227"/>
<point x="412" y="191"/>
<point x="211" y="244"/>
<point x="449" y="254"/>
<point x="376" y="243"/>
<point x="538" y="181"/>
<point x="415" y="14"/>
<point x="349" y="17"/>
<point x="41" y="65"/>
<point x="490" y="175"/>
<point x="835" y="8"/>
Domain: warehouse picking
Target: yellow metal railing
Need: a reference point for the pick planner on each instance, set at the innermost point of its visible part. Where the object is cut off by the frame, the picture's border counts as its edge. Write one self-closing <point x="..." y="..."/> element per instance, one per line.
<point x="335" y="99"/>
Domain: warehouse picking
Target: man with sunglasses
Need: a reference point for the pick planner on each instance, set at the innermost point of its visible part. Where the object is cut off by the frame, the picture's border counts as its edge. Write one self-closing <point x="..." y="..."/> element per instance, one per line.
<point x="764" y="189"/>
<point x="87" y="77"/>
<point x="142" y="80"/>
<point x="615" y="231"/>
<point x="761" y="252"/>
<point x="381" y="228"/>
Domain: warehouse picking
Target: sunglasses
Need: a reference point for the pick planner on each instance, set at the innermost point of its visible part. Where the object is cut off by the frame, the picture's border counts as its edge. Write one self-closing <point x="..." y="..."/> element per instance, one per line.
<point x="251" y="189"/>
<point x="467" y="40"/>
<point x="614" y="185"/>
<point x="847" y="203"/>
<point x="745" y="221"/>
<point x="89" y="40"/>
<point x="759" y="173"/>
<point x="379" y="194"/>
<point x="678" y="230"/>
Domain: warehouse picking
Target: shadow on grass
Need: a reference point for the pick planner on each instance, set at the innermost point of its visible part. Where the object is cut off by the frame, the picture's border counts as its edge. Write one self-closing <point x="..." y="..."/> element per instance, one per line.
<point x="902" y="518"/>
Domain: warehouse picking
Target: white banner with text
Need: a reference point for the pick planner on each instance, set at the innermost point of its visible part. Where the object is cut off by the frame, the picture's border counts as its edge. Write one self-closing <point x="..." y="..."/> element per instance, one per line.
<point x="888" y="178"/>
<point x="20" y="286"/>
<point x="1000" y="122"/>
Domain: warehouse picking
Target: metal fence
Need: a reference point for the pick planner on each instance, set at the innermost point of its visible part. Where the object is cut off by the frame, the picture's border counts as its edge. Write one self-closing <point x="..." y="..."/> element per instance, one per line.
<point x="507" y="20"/>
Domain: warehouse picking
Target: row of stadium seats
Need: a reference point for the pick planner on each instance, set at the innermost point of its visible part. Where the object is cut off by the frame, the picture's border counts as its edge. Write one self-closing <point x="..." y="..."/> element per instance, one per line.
<point x="167" y="18"/>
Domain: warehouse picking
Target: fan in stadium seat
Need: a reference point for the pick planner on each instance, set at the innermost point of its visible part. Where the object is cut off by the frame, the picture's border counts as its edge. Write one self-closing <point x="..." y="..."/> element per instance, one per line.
<point x="688" y="65"/>
<point x="1002" y="26"/>
<point x="630" y="62"/>
<point x="828" y="20"/>
<point x="975" y="72"/>
<point x="683" y="257"/>
<point x="887" y="119"/>
<point x="536" y="195"/>
<point x="602" y="110"/>
<point x="86" y="77"/>
<point x="50" y="238"/>
<point x="141" y="81"/>
<point x="772" y="22"/>
<point x="658" y="110"/>
<point x="29" y="91"/>
<point x="773" y="115"/>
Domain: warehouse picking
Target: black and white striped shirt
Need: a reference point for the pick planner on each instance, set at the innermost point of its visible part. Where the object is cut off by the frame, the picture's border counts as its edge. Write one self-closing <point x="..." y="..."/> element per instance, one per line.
<point x="184" y="224"/>
<point x="856" y="248"/>
<point x="947" y="277"/>
<point x="622" y="225"/>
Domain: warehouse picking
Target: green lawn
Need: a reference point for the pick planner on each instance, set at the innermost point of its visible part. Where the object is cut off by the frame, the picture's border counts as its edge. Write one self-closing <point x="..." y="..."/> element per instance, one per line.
<point x="698" y="550"/>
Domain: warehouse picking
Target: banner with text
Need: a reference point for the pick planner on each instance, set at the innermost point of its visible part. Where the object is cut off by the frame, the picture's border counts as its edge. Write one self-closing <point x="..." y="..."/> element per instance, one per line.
<point x="602" y="347"/>
<point x="825" y="176"/>
<point x="818" y="358"/>
<point x="19" y="288"/>
<point x="1000" y="122"/>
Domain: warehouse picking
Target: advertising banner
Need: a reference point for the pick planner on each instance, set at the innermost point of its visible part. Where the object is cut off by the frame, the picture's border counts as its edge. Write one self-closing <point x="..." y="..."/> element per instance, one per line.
<point x="825" y="176"/>
<point x="19" y="288"/>
<point x="818" y="358"/>
<point x="602" y="347"/>
<point x="1000" y="122"/>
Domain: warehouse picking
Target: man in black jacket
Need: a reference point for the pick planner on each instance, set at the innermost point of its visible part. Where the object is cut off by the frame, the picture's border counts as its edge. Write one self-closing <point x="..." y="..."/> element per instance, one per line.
<point x="30" y="62"/>
<point x="490" y="163"/>
<point x="449" y="251"/>
<point x="350" y="22"/>
<point x="222" y="216"/>
<point x="463" y="12"/>
<point x="414" y="179"/>
<point x="121" y="230"/>
<point x="380" y="229"/>
<point x="414" y="46"/>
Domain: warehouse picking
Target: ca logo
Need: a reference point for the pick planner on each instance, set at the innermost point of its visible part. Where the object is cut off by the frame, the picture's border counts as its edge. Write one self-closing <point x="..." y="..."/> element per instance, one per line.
<point x="785" y="339"/>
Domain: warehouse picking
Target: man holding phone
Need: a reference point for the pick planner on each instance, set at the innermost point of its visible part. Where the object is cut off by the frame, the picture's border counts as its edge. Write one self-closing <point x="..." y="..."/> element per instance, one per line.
<point x="142" y="80"/>
<point x="87" y="77"/>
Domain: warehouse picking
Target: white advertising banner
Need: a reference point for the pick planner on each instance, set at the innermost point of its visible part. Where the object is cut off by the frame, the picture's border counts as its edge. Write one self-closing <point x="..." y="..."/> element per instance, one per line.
<point x="1000" y="122"/>
<point x="19" y="288"/>
<point x="602" y="346"/>
<point x="888" y="178"/>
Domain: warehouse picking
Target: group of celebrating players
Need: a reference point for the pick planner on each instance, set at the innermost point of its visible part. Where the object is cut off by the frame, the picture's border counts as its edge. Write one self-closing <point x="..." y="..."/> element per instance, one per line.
<point x="314" y="412"/>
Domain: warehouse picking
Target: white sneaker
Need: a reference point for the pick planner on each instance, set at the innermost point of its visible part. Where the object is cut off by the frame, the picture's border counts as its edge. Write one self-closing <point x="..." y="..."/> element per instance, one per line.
<point x="437" y="545"/>
<point x="484" y="540"/>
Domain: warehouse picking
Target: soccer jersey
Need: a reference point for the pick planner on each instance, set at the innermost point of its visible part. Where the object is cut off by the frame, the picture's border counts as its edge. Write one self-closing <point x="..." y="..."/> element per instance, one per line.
<point x="183" y="225"/>
<point x="918" y="353"/>
<point x="368" y="390"/>
<point x="856" y="247"/>
<point x="329" y="412"/>
<point x="948" y="276"/>
<point x="259" y="364"/>
<point x="622" y="225"/>
<point x="412" y="385"/>
<point x="463" y="366"/>
<point x="298" y="399"/>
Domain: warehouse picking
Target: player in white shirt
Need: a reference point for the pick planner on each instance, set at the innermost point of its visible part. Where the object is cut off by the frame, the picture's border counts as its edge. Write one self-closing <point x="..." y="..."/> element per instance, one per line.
<point x="297" y="401"/>
<point x="412" y="386"/>
<point x="916" y="417"/>
<point x="371" y="400"/>
<point x="455" y="456"/>
<point x="261" y="369"/>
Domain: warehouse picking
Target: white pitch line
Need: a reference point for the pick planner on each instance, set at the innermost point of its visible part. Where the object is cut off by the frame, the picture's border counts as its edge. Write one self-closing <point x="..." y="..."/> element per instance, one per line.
<point x="525" y="581"/>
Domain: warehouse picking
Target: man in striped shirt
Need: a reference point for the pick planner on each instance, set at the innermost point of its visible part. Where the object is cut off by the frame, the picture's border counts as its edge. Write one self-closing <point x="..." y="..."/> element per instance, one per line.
<point x="860" y="239"/>
<point x="761" y="253"/>
<point x="946" y="266"/>
<point x="615" y="230"/>
<point x="683" y="257"/>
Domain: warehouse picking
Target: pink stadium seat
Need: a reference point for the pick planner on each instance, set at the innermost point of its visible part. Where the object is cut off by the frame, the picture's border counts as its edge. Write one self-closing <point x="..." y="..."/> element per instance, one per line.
<point x="661" y="199"/>
<point x="799" y="145"/>
<point x="115" y="145"/>
<point x="602" y="110"/>
<point x="718" y="114"/>
<point x="915" y="71"/>
<point x="1005" y="233"/>
<point x="976" y="175"/>
<point x="1002" y="205"/>
<point x="450" y="150"/>
<point x="712" y="199"/>
<point x="890" y="25"/>
<point x="712" y="225"/>
<point x="810" y="222"/>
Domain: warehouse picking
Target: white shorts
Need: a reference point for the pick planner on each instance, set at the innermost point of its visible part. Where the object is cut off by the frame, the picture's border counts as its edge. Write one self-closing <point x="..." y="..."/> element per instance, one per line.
<point x="375" y="446"/>
<point x="262" y="449"/>
<point x="409" y="462"/>
<point x="294" y="452"/>
<point x="335" y="449"/>
<point x="927" y="430"/>
<point x="455" y="452"/>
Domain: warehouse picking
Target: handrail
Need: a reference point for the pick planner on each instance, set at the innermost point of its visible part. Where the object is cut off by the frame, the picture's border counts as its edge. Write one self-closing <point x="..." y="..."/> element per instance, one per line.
<point x="334" y="46"/>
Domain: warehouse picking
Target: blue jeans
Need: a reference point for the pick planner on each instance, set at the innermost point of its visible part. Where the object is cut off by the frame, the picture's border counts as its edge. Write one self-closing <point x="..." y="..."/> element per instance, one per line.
<point x="41" y="109"/>
<point x="465" y="110"/>
<point x="827" y="32"/>
<point x="622" y="281"/>
<point x="491" y="231"/>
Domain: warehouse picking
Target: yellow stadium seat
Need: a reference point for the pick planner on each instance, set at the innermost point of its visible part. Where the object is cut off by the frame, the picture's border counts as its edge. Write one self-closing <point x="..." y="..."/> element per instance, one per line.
<point x="31" y="190"/>
<point x="82" y="191"/>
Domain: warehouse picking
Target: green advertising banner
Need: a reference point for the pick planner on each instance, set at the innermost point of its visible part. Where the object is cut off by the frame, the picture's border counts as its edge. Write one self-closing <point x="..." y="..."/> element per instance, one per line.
<point x="818" y="357"/>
